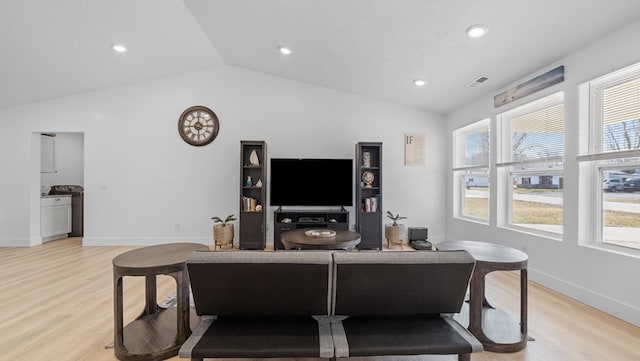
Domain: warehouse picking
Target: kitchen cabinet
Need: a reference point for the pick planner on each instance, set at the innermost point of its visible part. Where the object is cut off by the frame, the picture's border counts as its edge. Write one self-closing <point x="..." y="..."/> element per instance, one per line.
<point x="55" y="217"/>
<point x="47" y="154"/>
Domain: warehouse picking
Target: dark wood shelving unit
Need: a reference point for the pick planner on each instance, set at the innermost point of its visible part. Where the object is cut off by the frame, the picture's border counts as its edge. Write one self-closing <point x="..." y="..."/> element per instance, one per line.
<point x="253" y="199"/>
<point x="368" y="206"/>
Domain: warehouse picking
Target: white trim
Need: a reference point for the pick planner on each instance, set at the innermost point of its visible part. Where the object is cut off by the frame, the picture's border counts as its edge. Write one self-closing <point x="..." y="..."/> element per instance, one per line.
<point x="141" y="241"/>
<point x="531" y="161"/>
<point x="627" y="312"/>
<point x="635" y="153"/>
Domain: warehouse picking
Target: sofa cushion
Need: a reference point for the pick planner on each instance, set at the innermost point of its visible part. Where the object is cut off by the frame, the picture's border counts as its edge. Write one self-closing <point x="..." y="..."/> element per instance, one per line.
<point x="257" y="283"/>
<point x="260" y="337"/>
<point x="403" y="335"/>
<point x="400" y="283"/>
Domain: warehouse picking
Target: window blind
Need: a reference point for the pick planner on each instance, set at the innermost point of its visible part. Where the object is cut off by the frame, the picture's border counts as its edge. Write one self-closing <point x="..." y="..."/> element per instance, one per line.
<point x="611" y="127"/>
<point x="473" y="144"/>
<point x="535" y="131"/>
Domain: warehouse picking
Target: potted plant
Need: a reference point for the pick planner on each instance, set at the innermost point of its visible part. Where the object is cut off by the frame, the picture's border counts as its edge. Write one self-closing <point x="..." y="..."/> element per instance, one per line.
<point x="223" y="231"/>
<point x="393" y="232"/>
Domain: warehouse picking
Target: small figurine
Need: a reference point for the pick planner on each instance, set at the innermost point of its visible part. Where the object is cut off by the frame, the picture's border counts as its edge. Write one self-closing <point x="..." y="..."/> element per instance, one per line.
<point x="249" y="182"/>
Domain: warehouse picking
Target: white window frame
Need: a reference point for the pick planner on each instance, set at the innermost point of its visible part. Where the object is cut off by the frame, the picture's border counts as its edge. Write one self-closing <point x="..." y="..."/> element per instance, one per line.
<point x="592" y="160"/>
<point x="460" y="168"/>
<point x="506" y="166"/>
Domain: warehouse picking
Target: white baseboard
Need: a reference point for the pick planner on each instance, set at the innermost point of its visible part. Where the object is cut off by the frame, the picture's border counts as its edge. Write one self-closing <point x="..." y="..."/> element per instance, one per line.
<point x="19" y="242"/>
<point x="142" y="241"/>
<point x="602" y="302"/>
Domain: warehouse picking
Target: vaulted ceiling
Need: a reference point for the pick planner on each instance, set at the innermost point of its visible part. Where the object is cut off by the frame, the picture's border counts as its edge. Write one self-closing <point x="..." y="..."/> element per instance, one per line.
<point x="375" y="48"/>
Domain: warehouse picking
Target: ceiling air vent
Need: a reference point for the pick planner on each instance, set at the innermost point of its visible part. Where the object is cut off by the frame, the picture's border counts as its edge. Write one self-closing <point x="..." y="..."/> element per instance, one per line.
<point x="477" y="82"/>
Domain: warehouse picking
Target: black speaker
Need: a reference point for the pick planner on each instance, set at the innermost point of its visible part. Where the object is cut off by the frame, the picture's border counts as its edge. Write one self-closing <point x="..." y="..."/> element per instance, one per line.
<point x="418" y="238"/>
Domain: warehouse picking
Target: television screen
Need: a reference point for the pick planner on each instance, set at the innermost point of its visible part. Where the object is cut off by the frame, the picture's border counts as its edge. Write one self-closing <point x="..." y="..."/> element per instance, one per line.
<point x="311" y="182"/>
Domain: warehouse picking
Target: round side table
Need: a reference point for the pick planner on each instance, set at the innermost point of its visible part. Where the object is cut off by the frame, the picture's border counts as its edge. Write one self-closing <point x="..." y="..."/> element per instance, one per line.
<point x="494" y="329"/>
<point x="297" y="239"/>
<point x="158" y="333"/>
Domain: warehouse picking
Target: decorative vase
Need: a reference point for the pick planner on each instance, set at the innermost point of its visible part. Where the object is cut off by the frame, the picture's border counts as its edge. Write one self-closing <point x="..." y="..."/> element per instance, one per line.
<point x="253" y="159"/>
<point x="393" y="234"/>
<point x="366" y="159"/>
<point x="223" y="236"/>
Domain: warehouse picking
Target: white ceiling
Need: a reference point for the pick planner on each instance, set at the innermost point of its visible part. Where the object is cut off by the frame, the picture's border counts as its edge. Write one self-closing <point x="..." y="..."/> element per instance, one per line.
<point x="375" y="48"/>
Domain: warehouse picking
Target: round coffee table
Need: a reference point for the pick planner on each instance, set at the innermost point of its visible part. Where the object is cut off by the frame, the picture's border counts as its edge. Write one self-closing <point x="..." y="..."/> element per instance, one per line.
<point x="158" y="332"/>
<point x="297" y="239"/>
<point x="494" y="329"/>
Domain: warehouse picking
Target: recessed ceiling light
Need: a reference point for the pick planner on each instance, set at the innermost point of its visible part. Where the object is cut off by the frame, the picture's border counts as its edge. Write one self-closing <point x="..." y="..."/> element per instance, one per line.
<point x="119" y="48"/>
<point x="476" y="31"/>
<point x="419" y="82"/>
<point x="284" y="50"/>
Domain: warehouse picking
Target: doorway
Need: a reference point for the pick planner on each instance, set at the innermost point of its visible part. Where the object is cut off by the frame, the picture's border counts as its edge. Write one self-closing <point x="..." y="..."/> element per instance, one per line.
<point x="61" y="163"/>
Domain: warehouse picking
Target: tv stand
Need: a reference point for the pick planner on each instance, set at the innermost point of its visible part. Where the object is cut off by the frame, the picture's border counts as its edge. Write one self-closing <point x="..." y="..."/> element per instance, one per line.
<point x="290" y="220"/>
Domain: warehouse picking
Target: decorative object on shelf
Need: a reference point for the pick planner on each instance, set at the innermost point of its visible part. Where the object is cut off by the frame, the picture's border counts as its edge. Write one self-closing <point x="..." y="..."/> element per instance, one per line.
<point x="198" y="125"/>
<point x="320" y="233"/>
<point x="259" y="208"/>
<point x="367" y="178"/>
<point x="393" y="232"/>
<point x="259" y="183"/>
<point x="366" y="159"/>
<point x="248" y="182"/>
<point x="223" y="232"/>
<point x="249" y="203"/>
<point x="253" y="159"/>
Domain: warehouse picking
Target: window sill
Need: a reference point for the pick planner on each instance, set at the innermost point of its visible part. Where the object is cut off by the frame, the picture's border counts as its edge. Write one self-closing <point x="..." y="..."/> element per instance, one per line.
<point x="535" y="232"/>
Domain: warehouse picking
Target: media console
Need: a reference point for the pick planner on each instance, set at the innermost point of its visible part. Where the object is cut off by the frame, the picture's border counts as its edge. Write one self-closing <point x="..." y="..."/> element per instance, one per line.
<point x="290" y="220"/>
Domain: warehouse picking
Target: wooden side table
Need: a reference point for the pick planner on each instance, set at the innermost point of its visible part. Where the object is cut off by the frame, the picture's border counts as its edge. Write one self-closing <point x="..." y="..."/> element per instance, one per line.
<point x="158" y="333"/>
<point x="494" y="329"/>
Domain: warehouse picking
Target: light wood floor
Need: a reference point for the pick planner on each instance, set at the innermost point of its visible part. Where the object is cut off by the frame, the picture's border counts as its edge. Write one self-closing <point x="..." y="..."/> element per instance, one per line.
<point x="57" y="304"/>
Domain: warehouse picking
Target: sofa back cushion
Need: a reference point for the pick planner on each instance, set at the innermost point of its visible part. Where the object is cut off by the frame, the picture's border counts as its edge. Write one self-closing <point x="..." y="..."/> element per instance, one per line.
<point x="258" y="283"/>
<point x="400" y="283"/>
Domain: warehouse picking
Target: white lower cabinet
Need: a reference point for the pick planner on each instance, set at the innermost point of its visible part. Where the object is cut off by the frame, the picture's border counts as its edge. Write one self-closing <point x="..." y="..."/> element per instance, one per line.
<point x="55" y="217"/>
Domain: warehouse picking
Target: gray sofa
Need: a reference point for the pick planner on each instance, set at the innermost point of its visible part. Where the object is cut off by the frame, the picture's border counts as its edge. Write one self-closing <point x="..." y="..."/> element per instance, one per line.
<point x="328" y="304"/>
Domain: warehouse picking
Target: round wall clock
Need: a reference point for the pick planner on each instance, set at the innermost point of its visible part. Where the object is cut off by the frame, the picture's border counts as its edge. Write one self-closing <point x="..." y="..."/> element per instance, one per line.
<point x="198" y="125"/>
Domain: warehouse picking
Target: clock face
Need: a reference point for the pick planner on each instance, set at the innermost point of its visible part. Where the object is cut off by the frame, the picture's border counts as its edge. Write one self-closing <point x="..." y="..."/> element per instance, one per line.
<point x="198" y="125"/>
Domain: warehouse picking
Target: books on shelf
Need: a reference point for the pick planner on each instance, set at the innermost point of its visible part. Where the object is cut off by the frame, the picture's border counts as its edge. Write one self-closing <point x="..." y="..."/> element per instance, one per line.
<point x="249" y="204"/>
<point x="372" y="204"/>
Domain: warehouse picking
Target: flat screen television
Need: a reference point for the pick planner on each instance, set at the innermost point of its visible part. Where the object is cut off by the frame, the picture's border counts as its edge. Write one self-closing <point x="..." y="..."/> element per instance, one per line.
<point x="311" y="182"/>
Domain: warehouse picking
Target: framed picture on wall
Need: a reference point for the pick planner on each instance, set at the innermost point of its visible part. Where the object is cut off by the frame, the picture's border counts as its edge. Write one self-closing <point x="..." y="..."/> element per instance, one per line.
<point x="414" y="149"/>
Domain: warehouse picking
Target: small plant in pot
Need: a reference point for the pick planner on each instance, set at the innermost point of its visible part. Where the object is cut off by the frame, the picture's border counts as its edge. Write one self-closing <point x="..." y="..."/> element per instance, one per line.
<point x="223" y="232"/>
<point x="393" y="232"/>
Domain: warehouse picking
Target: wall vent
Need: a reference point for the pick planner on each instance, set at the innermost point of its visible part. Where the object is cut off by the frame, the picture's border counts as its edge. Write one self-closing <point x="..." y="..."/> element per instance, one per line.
<point x="477" y="82"/>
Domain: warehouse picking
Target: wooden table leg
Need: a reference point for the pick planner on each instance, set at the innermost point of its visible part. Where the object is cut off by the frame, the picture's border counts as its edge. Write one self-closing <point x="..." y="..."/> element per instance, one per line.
<point x="523" y="302"/>
<point x="476" y="300"/>
<point x="151" y="305"/>
<point x="118" y="327"/>
<point x="183" y="311"/>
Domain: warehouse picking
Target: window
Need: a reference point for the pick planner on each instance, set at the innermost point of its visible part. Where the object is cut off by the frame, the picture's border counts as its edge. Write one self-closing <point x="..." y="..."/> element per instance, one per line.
<point x="530" y="165"/>
<point x="609" y="159"/>
<point x="471" y="171"/>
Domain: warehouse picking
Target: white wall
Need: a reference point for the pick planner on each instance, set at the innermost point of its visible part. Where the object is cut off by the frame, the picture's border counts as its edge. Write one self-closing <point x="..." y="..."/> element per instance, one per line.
<point x="144" y="185"/>
<point x="603" y="279"/>
<point x="69" y="161"/>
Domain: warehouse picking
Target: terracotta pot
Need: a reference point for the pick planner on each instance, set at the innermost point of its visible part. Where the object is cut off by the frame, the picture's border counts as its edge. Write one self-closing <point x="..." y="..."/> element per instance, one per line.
<point x="223" y="236"/>
<point x="394" y="234"/>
